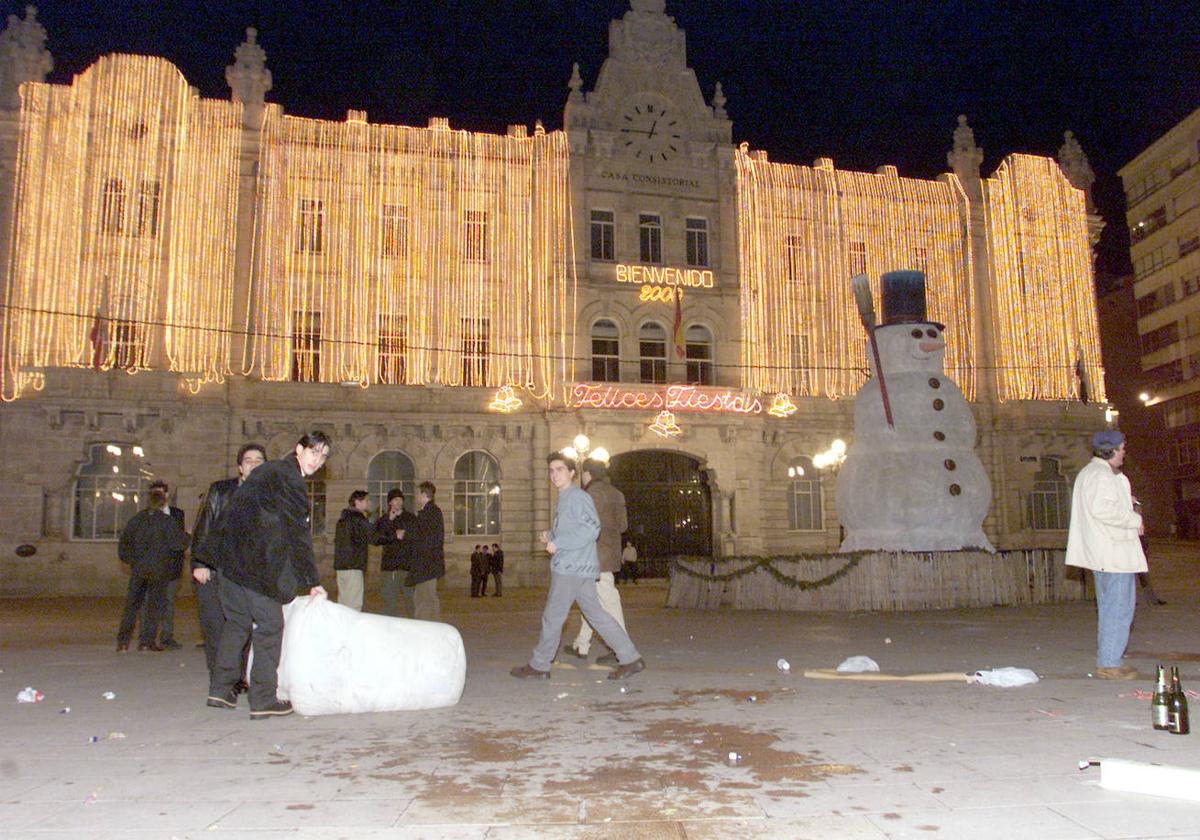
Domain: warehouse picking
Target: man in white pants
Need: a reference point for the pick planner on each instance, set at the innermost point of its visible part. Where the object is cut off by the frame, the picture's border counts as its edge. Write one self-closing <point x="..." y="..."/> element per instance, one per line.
<point x="610" y="505"/>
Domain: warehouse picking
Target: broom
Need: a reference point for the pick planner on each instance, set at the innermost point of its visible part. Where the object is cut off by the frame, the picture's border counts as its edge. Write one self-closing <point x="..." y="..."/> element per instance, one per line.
<point x="861" y="284"/>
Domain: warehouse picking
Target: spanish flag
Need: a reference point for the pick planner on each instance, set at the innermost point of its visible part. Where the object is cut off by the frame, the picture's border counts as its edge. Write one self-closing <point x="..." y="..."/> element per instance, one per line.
<point x="677" y="329"/>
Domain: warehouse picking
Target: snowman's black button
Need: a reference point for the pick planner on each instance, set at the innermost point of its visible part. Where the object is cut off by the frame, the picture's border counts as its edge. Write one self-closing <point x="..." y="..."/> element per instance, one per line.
<point x="939" y="435"/>
<point x="949" y="464"/>
<point x="938" y="405"/>
<point x="955" y="489"/>
<point x="934" y="382"/>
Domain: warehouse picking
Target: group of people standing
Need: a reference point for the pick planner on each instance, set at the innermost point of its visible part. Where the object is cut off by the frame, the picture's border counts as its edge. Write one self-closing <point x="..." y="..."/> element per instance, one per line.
<point x="487" y="561"/>
<point x="413" y="557"/>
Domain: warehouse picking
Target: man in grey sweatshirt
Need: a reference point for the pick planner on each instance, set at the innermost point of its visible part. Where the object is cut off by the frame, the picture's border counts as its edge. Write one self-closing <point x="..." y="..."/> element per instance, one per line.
<point x="574" y="568"/>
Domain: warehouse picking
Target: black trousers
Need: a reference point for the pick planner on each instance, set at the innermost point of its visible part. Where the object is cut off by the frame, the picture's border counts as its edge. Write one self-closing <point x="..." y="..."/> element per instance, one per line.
<point x="257" y="619"/>
<point x="478" y="584"/>
<point x="152" y="592"/>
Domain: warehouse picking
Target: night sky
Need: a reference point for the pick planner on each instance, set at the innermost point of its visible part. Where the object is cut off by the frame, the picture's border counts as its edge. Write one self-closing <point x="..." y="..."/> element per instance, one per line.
<point x="863" y="83"/>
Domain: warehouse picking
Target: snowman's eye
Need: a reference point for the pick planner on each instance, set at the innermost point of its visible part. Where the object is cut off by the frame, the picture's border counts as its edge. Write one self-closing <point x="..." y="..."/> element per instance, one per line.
<point x="932" y="333"/>
<point x="916" y="333"/>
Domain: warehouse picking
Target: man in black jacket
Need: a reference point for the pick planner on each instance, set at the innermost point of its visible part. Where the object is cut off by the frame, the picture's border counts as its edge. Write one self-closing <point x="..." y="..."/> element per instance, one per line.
<point x="265" y="557"/>
<point x="496" y="569"/>
<point x="205" y="546"/>
<point x="351" y="539"/>
<point x="393" y="531"/>
<point x="428" y="554"/>
<point x="166" y="606"/>
<point x="152" y="544"/>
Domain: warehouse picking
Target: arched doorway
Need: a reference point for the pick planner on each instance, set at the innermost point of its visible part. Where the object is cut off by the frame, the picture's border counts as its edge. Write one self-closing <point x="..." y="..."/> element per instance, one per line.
<point x="669" y="504"/>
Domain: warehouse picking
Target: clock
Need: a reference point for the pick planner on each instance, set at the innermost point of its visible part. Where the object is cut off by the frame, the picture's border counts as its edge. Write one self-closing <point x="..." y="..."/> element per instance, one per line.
<point x="650" y="131"/>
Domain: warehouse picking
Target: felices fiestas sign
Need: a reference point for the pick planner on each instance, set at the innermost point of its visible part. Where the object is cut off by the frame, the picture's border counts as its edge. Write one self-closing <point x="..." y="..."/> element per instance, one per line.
<point x="672" y="398"/>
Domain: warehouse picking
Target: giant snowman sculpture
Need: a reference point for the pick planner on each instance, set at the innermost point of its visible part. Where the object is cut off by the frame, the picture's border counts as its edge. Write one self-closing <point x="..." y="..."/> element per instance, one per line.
<point x="915" y="484"/>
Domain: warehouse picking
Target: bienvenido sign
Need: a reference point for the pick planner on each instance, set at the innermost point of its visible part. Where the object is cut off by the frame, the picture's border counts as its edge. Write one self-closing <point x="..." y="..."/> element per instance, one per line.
<point x="672" y="398"/>
<point x="665" y="275"/>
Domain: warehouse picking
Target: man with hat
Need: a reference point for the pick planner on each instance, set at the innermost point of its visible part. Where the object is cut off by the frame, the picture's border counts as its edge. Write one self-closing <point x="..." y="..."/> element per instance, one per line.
<point x="1104" y="538"/>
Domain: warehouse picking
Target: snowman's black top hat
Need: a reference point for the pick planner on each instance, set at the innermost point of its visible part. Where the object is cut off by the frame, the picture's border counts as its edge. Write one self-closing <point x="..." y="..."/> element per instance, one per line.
<point x="903" y="294"/>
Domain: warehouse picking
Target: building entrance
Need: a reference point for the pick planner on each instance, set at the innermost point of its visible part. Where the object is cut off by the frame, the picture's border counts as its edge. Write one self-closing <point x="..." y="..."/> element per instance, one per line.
<point x="669" y="504"/>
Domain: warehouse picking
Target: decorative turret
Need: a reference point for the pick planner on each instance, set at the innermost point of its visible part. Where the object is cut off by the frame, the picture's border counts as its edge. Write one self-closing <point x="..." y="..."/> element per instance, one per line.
<point x="718" y="103"/>
<point x="23" y="56"/>
<point x="249" y="79"/>
<point x="1075" y="166"/>
<point x="575" y="84"/>
<point x="965" y="158"/>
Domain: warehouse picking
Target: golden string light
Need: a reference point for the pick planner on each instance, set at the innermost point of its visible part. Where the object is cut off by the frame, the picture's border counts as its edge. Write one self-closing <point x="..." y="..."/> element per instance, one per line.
<point x="1040" y="262"/>
<point x="804" y="231"/>
<point x="412" y="255"/>
<point x="100" y="164"/>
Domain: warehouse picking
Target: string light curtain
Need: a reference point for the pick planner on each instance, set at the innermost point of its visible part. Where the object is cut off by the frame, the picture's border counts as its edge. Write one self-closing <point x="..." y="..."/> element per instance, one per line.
<point x="451" y="250"/>
<point x="99" y="274"/>
<point x="1040" y="260"/>
<point x="804" y="231"/>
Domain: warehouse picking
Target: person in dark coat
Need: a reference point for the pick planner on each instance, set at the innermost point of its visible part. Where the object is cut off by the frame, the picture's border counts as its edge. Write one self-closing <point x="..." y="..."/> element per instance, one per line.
<point x="392" y="531"/>
<point x="428" y="554"/>
<point x="495" y="568"/>
<point x="166" y="615"/>
<point x="351" y="540"/>
<point x="205" y="547"/>
<point x="265" y="557"/>
<point x="478" y="571"/>
<point x="152" y="544"/>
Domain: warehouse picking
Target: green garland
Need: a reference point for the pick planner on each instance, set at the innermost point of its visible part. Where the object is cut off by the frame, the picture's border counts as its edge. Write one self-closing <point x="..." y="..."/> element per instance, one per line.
<point x="766" y="563"/>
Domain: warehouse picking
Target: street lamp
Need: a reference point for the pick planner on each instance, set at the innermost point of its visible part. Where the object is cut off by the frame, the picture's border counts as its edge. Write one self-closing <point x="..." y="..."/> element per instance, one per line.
<point x="581" y="450"/>
<point x="831" y="458"/>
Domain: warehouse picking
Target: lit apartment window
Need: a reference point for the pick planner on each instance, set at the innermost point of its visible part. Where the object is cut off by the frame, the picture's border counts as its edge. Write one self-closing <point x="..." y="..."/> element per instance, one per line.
<point x="306" y="347"/>
<point x="698" y="347"/>
<point x="652" y="352"/>
<point x="697" y="242"/>
<point x="650" y="237"/>
<point x="606" y="352"/>
<point x="310" y="225"/>
<point x="603" y="234"/>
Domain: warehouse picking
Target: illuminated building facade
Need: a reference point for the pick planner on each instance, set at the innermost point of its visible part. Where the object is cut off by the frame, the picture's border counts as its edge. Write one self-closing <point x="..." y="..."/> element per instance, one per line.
<point x="185" y="275"/>
<point x="1162" y="191"/>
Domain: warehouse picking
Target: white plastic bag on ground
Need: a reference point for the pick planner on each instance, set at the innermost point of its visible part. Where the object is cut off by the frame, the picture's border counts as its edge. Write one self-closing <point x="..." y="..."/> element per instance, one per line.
<point x="336" y="660"/>
<point x="1006" y="677"/>
<point x="858" y="665"/>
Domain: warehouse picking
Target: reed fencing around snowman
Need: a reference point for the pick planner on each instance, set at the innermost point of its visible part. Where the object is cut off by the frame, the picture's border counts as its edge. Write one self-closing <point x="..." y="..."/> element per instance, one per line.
<point x="873" y="580"/>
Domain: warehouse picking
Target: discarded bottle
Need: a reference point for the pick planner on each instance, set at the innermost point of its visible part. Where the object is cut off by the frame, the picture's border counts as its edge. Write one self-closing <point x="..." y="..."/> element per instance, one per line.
<point x="1160" y="706"/>
<point x="1178" y="704"/>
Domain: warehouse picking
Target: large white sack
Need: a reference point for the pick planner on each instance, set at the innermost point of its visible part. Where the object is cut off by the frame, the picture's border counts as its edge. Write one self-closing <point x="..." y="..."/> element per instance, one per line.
<point x="337" y="660"/>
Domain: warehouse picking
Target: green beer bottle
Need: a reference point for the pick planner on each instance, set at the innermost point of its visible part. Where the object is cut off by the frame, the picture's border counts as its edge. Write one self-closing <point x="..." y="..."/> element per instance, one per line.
<point x="1178" y="704"/>
<point x="1160" y="704"/>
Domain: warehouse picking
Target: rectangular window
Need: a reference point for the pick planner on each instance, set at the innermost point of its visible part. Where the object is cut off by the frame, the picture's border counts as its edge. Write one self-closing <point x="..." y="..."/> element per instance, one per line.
<point x="1160" y="297"/>
<point x="306" y="347"/>
<point x="650" y="237"/>
<point x="603" y="234"/>
<point x="801" y="364"/>
<point x="804" y="508"/>
<point x="1166" y="375"/>
<point x="652" y="353"/>
<point x="129" y="347"/>
<point x="606" y="353"/>
<point x="1191" y="243"/>
<point x="393" y="350"/>
<point x="475" y="235"/>
<point x="921" y="260"/>
<point x="1164" y="336"/>
<point x="394" y="230"/>
<point x="1187" y="451"/>
<point x="112" y="207"/>
<point x="475" y="352"/>
<point x="1148" y="225"/>
<point x="699" y="362"/>
<point x="857" y="252"/>
<point x="147" y="215"/>
<point x="793" y="258"/>
<point x="1191" y="285"/>
<point x="1047" y="507"/>
<point x="697" y="242"/>
<point x="310" y="225"/>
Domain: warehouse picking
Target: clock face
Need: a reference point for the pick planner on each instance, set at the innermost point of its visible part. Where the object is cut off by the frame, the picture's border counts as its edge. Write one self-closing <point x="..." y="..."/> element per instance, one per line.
<point x="651" y="132"/>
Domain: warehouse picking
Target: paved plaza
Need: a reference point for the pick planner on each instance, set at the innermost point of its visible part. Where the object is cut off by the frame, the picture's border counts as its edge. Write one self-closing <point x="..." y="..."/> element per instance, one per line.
<point x="578" y="757"/>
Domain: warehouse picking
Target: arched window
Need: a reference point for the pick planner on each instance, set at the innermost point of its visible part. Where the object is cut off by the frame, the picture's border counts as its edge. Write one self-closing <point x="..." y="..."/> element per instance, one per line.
<point x="606" y="352"/>
<point x="1048" y="507"/>
<point x="652" y="352"/>
<point x="109" y="488"/>
<point x="805" y="511"/>
<point x="698" y="343"/>
<point x="476" y="494"/>
<point x="387" y="470"/>
<point x="315" y="484"/>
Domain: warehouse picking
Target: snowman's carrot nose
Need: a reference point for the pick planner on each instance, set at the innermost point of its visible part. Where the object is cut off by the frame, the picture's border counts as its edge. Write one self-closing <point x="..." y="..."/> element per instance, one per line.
<point x="930" y="346"/>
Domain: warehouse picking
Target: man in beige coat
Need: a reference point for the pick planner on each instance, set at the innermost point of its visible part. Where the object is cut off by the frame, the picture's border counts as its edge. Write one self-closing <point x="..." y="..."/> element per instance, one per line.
<point x="1104" y="538"/>
<point x="610" y="505"/>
